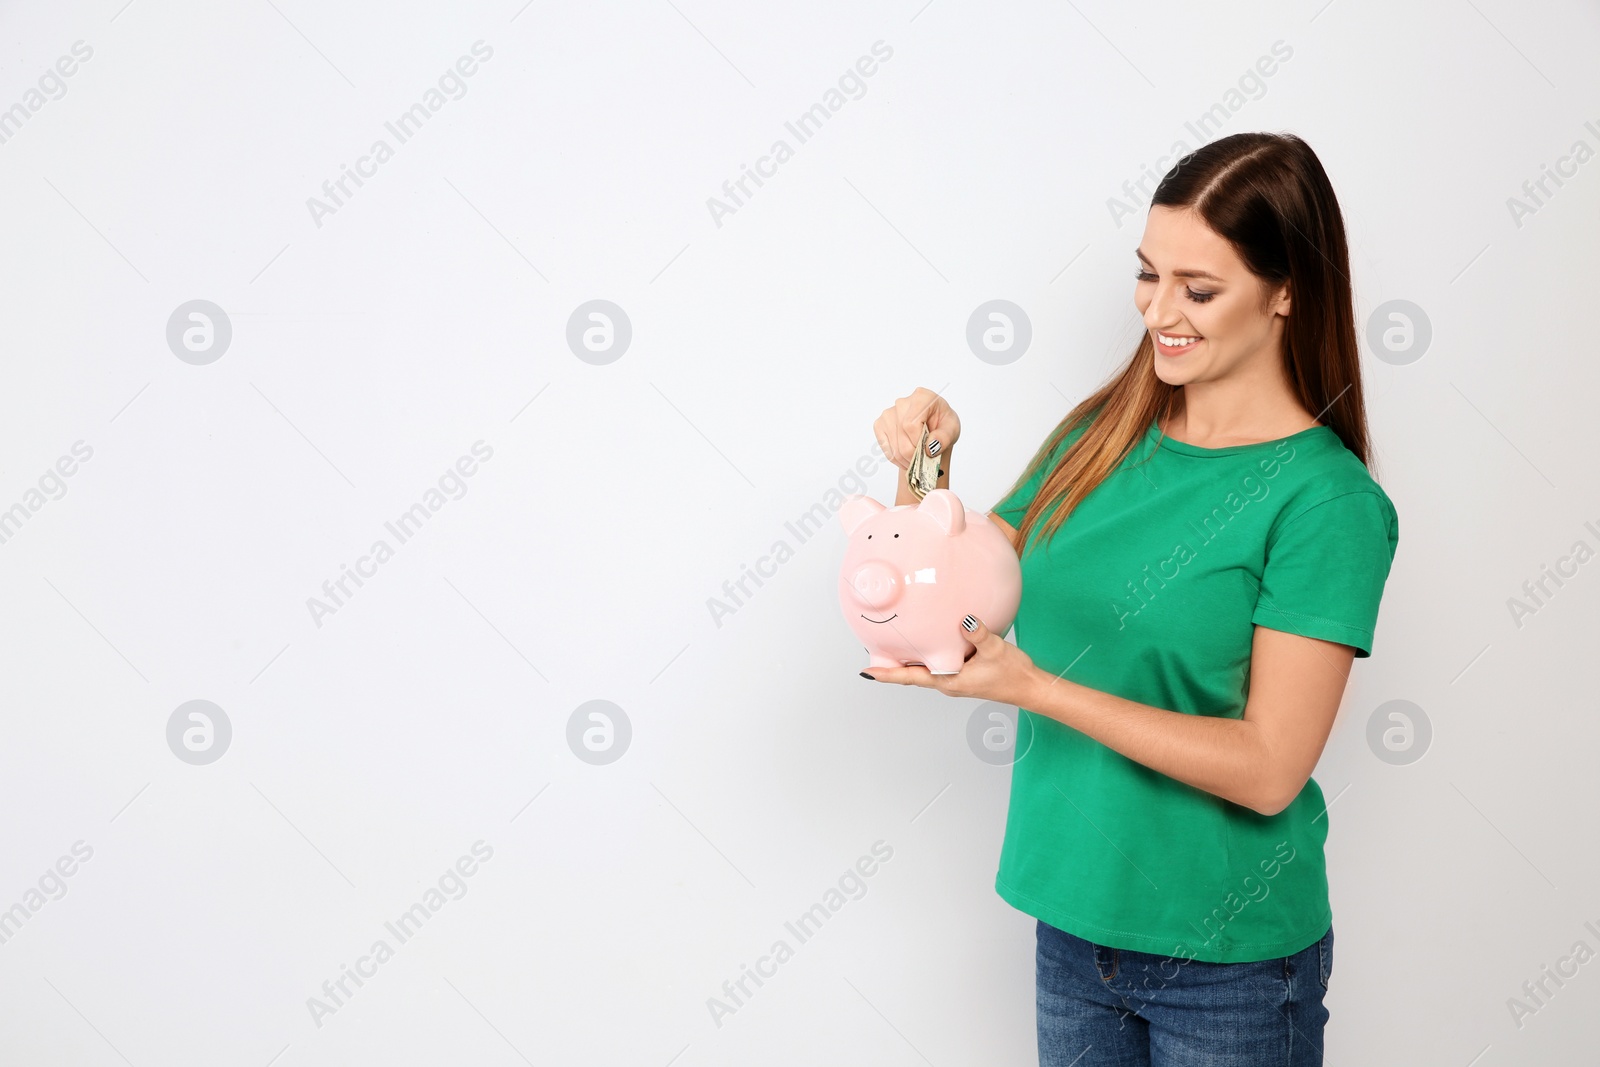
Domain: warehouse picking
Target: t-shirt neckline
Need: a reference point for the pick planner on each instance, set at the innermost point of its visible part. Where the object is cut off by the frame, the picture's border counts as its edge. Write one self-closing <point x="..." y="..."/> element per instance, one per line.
<point x="1154" y="434"/>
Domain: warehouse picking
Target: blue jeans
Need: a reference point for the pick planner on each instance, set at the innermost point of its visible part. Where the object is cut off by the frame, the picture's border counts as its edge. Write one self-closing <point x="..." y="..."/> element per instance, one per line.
<point x="1110" y="1007"/>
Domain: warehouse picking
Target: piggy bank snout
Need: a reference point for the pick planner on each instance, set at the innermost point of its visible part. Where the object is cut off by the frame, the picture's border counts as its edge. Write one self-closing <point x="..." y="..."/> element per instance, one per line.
<point x="875" y="585"/>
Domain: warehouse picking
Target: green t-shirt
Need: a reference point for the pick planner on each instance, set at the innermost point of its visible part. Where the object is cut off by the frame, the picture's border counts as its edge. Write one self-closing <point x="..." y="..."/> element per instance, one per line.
<point x="1151" y="591"/>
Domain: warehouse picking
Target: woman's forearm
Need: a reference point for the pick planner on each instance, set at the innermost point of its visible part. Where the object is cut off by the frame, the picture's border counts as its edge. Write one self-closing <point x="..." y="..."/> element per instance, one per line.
<point x="1222" y="756"/>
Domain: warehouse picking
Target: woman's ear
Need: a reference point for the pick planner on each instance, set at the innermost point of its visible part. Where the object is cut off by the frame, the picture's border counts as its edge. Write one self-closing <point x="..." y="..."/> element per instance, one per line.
<point x="1281" y="303"/>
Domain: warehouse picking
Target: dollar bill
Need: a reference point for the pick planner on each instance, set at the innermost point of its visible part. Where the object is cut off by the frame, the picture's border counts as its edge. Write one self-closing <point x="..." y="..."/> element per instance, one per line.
<point x="922" y="473"/>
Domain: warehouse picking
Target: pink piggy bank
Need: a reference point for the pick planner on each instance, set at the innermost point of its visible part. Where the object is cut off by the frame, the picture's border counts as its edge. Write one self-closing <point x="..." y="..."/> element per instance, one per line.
<point x="911" y="573"/>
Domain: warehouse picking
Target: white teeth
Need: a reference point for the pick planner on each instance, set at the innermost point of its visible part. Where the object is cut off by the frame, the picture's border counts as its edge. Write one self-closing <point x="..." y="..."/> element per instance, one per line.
<point x="1176" y="342"/>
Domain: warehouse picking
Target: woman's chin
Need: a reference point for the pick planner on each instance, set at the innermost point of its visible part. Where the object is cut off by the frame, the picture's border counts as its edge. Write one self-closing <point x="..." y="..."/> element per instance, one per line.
<point x="1174" y="375"/>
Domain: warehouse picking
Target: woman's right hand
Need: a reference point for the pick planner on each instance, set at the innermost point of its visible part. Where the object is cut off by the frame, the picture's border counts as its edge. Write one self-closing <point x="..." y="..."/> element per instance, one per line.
<point x="899" y="428"/>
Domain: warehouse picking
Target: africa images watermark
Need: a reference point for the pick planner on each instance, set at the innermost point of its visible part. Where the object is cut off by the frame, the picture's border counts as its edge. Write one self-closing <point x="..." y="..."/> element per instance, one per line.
<point x="1251" y="86"/>
<point x="52" y="485"/>
<point x="51" y="886"/>
<point x="336" y="992"/>
<point x="853" y="882"/>
<point x="1251" y="488"/>
<point x="802" y="129"/>
<point x="52" y="85"/>
<point x="403" y="528"/>
<point x="1537" y="192"/>
<point x="736" y="592"/>
<point x="1537" y="993"/>
<point x="336" y="192"/>
<point x="1537" y="592"/>
<point x="1254" y="889"/>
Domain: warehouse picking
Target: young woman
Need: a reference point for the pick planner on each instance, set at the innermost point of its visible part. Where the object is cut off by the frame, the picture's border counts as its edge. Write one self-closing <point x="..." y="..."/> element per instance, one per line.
<point x="1203" y="553"/>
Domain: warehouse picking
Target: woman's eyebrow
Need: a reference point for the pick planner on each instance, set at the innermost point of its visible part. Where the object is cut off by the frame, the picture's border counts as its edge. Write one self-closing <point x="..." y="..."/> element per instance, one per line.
<point x="1182" y="273"/>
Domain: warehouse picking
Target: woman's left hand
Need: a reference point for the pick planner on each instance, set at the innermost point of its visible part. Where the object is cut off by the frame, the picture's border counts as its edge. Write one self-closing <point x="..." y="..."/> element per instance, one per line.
<point x="995" y="670"/>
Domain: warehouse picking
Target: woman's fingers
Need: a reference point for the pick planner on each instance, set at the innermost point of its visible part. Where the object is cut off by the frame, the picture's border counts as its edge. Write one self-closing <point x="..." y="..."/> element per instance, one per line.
<point x="899" y="428"/>
<point x="892" y="439"/>
<point x="943" y="425"/>
<point x="943" y="429"/>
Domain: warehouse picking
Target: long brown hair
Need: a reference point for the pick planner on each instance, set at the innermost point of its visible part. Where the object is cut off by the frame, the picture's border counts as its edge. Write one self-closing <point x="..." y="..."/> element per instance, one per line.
<point x="1267" y="194"/>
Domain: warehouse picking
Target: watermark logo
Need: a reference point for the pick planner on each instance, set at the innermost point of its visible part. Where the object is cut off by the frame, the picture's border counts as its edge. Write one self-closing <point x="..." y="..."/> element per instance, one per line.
<point x="599" y="332"/>
<point x="999" y="332"/>
<point x="995" y="733"/>
<point x="1399" y="732"/>
<point x="199" y="332"/>
<point x="1399" y="332"/>
<point x="599" y="732"/>
<point x="199" y="732"/>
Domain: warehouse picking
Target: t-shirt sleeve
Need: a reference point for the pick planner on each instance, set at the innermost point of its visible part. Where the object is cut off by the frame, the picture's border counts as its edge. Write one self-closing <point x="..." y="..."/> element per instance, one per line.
<point x="1326" y="569"/>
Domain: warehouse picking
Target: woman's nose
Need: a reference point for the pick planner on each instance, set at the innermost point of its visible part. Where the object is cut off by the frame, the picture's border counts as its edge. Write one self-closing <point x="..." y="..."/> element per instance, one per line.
<point x="1158" y="314"/>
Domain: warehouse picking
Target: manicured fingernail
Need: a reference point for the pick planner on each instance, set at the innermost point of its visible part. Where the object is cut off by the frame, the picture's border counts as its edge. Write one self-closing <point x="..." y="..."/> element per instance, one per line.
<point x="969" y="624"/>
<point x="868" y="677"/>
<point x="933" y="448"/>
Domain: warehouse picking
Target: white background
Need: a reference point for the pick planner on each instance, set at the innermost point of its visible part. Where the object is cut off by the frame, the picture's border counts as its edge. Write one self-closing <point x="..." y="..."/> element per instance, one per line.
<point x="431" y="710"/>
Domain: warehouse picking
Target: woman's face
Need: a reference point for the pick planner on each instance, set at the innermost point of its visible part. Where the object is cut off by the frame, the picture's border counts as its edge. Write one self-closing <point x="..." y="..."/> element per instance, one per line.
<point x="1193" y="288"/>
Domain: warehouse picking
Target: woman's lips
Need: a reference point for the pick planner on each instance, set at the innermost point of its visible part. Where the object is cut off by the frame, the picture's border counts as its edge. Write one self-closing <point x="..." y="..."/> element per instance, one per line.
<point x="1178" y="350"/>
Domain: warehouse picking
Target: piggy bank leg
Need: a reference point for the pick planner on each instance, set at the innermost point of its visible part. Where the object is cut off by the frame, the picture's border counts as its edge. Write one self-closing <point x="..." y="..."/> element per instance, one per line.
<point x="874" y="659"/>
<point x="946" y="663"/>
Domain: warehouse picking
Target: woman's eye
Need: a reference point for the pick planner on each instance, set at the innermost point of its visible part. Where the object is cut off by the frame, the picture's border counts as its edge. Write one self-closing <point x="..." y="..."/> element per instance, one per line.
<point x="1199" y="298"/>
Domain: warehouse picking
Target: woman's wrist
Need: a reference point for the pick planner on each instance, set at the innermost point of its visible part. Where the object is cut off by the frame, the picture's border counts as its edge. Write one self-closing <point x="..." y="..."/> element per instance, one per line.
<point x="1047" y="694"/>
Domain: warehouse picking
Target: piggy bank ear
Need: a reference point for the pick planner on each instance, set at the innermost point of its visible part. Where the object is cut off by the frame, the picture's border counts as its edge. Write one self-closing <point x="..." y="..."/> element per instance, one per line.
<point x="857" y="509"/>
<point x="944" y="507"/>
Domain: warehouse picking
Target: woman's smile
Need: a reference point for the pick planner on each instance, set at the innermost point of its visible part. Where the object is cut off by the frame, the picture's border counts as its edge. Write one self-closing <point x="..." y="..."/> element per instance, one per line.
<point x="1175" y="344"/>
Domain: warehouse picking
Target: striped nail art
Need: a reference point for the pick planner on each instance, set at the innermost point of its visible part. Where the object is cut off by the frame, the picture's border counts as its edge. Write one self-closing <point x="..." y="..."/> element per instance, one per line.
<point x="969" y="624"/>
